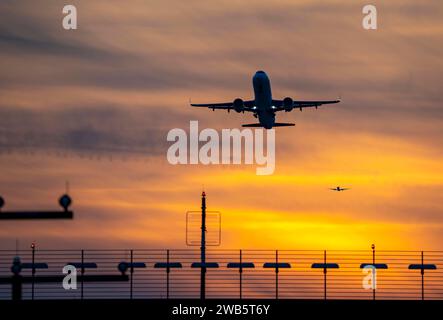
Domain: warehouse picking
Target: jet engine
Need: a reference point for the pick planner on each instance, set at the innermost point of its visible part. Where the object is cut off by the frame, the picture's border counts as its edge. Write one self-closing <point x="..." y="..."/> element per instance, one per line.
<point x="288" y="104"/>
<point x="239" y="106"/>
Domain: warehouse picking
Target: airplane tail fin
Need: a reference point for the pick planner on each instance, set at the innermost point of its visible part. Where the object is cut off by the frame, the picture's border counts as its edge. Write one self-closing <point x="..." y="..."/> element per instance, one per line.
<point x="277" y="124"/>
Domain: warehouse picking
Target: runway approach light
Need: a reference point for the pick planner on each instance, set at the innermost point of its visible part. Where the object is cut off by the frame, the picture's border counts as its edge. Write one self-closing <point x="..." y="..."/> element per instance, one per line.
<point x="65" y="201"/>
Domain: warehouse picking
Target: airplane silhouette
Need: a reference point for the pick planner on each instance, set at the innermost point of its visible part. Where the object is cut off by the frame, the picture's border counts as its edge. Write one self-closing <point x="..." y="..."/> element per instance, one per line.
<point x="263" y="106"/>
<point x="338" y="188"/>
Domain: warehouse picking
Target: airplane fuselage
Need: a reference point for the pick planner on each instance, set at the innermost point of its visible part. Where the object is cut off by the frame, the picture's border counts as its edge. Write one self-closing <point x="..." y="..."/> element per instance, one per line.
<point x="263" y="99"/>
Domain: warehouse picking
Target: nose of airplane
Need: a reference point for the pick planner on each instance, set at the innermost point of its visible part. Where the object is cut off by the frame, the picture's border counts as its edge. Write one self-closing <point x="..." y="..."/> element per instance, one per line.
<point x="259" y="75"/>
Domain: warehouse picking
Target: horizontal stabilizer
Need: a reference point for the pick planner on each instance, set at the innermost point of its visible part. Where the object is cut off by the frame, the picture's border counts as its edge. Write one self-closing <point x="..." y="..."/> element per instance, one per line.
<point x="252" y="125"/>
<point x="284" y="124"/>
<point x="255" y="125"/>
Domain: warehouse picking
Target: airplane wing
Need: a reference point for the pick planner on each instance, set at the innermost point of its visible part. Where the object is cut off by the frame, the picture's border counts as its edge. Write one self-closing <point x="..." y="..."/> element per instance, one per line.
<point x="299" y="104"/>
<point x="249" y="105"/>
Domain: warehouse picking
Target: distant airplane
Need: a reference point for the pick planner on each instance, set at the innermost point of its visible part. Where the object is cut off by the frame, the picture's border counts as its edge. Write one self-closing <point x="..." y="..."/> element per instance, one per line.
<point x="263" y="106"/>
<point x="339" y="189"/>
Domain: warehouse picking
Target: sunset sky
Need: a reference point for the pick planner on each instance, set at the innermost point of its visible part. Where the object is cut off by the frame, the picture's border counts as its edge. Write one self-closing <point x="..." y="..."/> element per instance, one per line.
<point x="93" y="106"/>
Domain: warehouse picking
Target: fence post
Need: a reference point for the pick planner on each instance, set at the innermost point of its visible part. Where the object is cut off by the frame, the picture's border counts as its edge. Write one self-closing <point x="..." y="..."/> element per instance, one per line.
<point x="422" y="278"/>
<point x="276" y="274"/>
<point x="167" y="274"/>
<point x="325" y="270"/>
<point x="33" y="270"/>
<point x="373" y="270"/>
<point x="241" y="278"/>
<point x="17" y="287"/>
<point x="132" y="274"/>
<point x="82" y="271"/>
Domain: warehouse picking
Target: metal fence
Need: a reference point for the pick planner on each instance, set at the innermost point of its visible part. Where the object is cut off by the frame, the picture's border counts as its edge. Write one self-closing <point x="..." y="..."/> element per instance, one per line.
<point x="282" y="274"/>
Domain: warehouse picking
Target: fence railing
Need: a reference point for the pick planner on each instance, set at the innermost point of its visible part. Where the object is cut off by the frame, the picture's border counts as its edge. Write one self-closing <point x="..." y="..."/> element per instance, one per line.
<point x="162" y="274"/>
